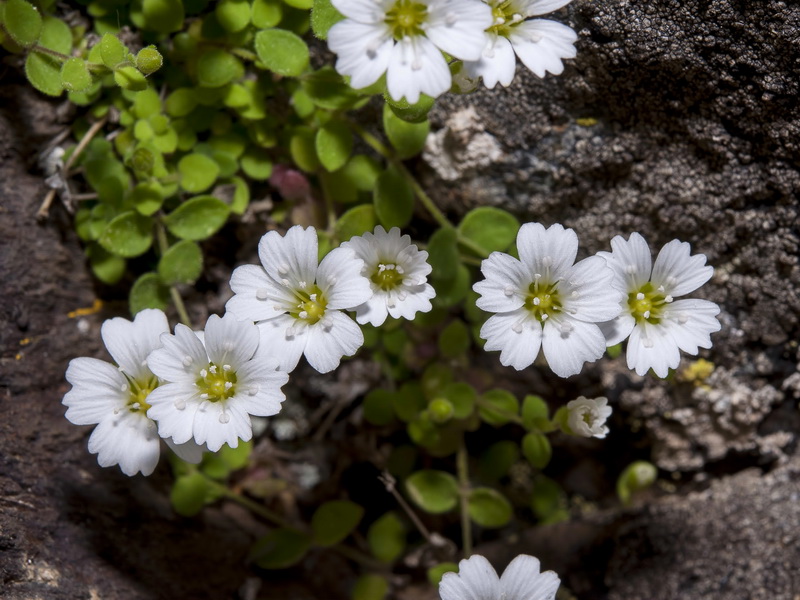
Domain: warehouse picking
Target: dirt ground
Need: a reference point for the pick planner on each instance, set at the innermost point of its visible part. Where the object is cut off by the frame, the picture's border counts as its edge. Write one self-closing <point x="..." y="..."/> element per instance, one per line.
<point x="676" y="120"/>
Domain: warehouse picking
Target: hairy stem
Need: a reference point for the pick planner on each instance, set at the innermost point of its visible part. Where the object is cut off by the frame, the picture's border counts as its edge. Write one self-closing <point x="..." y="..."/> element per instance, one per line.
<point x="163" y="246"/>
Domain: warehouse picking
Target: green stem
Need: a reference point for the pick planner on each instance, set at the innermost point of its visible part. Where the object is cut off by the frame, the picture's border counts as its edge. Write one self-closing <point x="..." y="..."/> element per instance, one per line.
<point x="463" y="492"/>
<point x="49" y="52"/>
<point x="163" y="246"/>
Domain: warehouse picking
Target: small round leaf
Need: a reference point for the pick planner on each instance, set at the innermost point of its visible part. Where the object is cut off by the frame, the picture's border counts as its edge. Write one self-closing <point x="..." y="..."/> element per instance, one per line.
<point x="370" y="587"/>
<point x="323" y="17"/>
<point x="282" y="52"/>
<point x="75" y="76"/>
<point x="181" y="263"/>
<point x="407" y="138"/>
<point x="536" y="448"/>
<point x="148" y="292"/>
<point x="334" y="521"/>
<point x="198" y="172"/>
<point x="490" y="228"/>
<point x="127" y="235"/>
<point x="334" y="143"/>
<point x="387" y="537"/>
<point x="394" y="199"/>
<point x="197" y="218"/>
<point x="280" y="548"/>
<point x="355" y="221"/>
<point x="149" y="60"/>
<point x="498" y="407"/>
<point x="22" y="21"/>
<point x="489" y="508"/>
<point x="112" y="50"/>
<point x="189" y="493"/>
<point x="433" y="491"/>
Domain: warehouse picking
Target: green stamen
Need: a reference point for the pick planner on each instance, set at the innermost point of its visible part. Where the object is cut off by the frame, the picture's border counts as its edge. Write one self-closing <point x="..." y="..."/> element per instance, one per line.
<point x="406" y="18"/>
<point x="311" y="305"/>
<point x="139" y="391"/>
<point x="216" y="382"/>
<point x="543" y="300"/>
<point x="647" y="303"/>
<point x="505" y="16"/>
<point x="388" y="276"/>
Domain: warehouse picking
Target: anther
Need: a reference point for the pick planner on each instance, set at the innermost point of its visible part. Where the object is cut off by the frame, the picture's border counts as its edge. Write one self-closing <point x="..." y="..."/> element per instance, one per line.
<point x="640" y="296"/>
<point x="630" y="269"/>
<point x="253" y="390"/>
<point x="283" y="269"/>
<point x="648" y="343"/>
<point x="224" y="417"/>
<point x="136" y="406"/>
<point x="646" y="314"/>
<point x="508" y="291"/>
<point x="399" y="269"/>
<point x="203" y="373"/>
<point x="668" y="299"/>
<point x="537" y="276"/>
<point x="123" y="387"/>
<point x="401" y="296"/>
<point x="547" y="261"/>
<point x="302" y="284"/>
<point x="226" y="367"/>
<point x="303" y="314"/>
<point x="536" y="301"/>
<point x="682" y="319"/>
<point x="313" y="297"/>
<point x="204" y="396"/>
<point x="213" y="369"/>
<point x="517" y="328"/>
<point x="179" y="404"/>
<point x="262" y="294"/>
<point x="544" y="317"/>
<point x="661" y="289"/>
<point x="187" y="360"/>
<point x="450" y="19"/>
<point x="566" y="327"/>
<point x="228" y="385"/>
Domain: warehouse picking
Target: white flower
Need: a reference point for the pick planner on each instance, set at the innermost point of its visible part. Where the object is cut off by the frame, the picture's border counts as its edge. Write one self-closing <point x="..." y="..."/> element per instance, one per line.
<point x="116" y="399"/>
<point x="477" y="580"/>
<point x="405" y="39"/>
<point x="659" y="326"/>
<point x="540" y="44"/>
<point x="397" y="272"/>
<point x="545" y="301"/>
<point x="214" y="383"/>
<point x="587" y="416"/>
<point x="297" y="304"/>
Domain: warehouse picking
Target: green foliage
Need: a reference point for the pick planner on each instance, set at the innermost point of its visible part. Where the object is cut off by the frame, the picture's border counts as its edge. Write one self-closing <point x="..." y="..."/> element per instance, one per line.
<point x="189" y="494"/>
<point x="42" y="69"/>
<point x="280" y="548"/>
<point x="127" y="235"/>
<point x="181" y="263"/>
<point x="148" y="292"/>
<point x="498" y="407"/>
<point x="433" y="491"/>
<point x="355" y="221"/>
<point x="334" y="143"/>
<point x="198" y="172"/>
<point x="75" y="76"/>
<point x="22" y="22"/>
<point x="490" y="228"/>
<point x="282" y="52"/>
<point x="436" y="573"/>
<point x="489" y="508"/>
<point x="323" y="17"/>
<point x="454" y="339"/>
<point x="394" y="199"/>
<point x="333" y="521"/>
<point x="407" y="138"/>
<point x="198" y="218"/>
<point x="220" y="464"/>
<point x="370" y="587"/>
<point x="637" y="476"/>
<point x="535" y="413"/>
<point x="387" y="537"/>
<point x="536" y="448"/>
<point x="378" y="408"/>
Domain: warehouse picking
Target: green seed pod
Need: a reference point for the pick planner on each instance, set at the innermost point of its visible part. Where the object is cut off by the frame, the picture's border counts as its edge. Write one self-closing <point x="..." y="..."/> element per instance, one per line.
<point x="440" y="410"/>
<point x="149" y="60"/>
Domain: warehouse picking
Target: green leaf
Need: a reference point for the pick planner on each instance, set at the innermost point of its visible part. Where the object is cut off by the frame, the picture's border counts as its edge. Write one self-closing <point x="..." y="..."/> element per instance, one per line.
<point x="218" y="465"/>
<point x="334" y="144"/>
<point x="323" y="17"/>
<point x="433" y="491"/>
<point x="489" y="508"/>
<point x="548" y="500"/>
<point x="362" y="171"/>
<point x="44" y="71"/>
<point x="301" y="4"/>
<point x="387" y="537"/>
<point x="149" y="60"/>
<point x="75" y="76"/>
<point x="189" y="494"/>
<point x="454" y="339"/>
<point x="378" y="407"/>
<point x="407" y="138"/>
<point x="181" y="263"/>
<point x="435" y="378"/>
<point x="23" y="22"/>
<point x="198" y="172"/>
<point x="370" y="587"/>
<point x="282" y="51"/>
<point x="147" y="198"/>
<point x="436" y="573"/>
<point x="536" y="448"/>
<point x="280" y="548"/>
<point x="127" y="235"/>
<point x="147" y="104"/>
<point x="328" y="90"/>
<point x="256" y="164"/>
<point x="334" y="521"/>
<point x="197" y="218"/>
<point x="266" y="13"/>
<point x="355" y="221"/>
<point x="498" y="407"/>
<point x="412" y="113"/>
<point x="241" y="196"/>
<point x="462" y="396"/>
<point x="129" y="78"/>
<point x="450" y="292"/>
<point x="148" y="292"/>
<point x="440" y="410"/>
<point x="216" y="67"/>
<point x="233" y="15"/>
<point x="163" y="16"/>
<point x="302" y="147"/>
<point x="535" y="413"/>
<point x="637" y="476"/>
<point x="443" y="254"/>
<point x="107" y="267"/>
<point x="394" y="199"/>
<point x="408" y="401"/>
<point x="498" y="459"/>
<point x="490" y="228"/>
<point x="181" y="102"/>
<point x="112" y="51"/>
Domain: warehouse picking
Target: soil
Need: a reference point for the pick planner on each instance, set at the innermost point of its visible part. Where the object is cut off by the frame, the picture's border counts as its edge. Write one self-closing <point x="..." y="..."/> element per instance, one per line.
<point x="677" y="120"/>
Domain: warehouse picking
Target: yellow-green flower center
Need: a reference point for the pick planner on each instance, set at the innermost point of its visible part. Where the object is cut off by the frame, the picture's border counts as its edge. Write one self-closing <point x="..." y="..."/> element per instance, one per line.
<point x="504" y="17"/>
<point x="216" y="382"/>
<point x="406" y="18"/>
<point x="138" y="391"/>
<point x="387" y="276"/>
<point x="647" y="303"/>
<point x="311" y="305"/>
<point x="543" y="300"/>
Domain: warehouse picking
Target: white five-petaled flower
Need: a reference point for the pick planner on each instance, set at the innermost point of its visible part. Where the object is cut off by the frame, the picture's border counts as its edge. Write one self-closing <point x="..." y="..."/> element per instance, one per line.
<point x="214" y="384"/>
<point x="116" y="399"/>
<point x="541" y="44"/>
<point x="587" y="416"/>
<point x="477" y="580"/>
<point x="405" y="39"/>
<point x="398" y="273"/>
<point x="659" y="326"/>
<point x="297" y="303"/>
<point x="546" y="300"/>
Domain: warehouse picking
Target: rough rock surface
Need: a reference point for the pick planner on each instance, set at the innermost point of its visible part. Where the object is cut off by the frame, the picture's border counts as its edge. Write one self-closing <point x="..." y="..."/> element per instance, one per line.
<point x="677" y="120"/>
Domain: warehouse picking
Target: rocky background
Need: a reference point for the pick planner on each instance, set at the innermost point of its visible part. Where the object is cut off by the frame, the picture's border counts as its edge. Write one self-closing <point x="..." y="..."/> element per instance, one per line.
<point x="677" y="120"/>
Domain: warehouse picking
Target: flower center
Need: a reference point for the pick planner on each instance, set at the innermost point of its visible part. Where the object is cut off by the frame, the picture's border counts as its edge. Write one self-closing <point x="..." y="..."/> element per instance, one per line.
<point x="311" y="305"/>
<point x="505" y="16"/>
<point x="588" y="418"/>
<point x="387" y="276"/>
<point x="138" y="393"/>
<point x="647" y="303"/>
<point x="543" y="299"/>
<point x="216" y="382"/>
<point x="406" y="18"/>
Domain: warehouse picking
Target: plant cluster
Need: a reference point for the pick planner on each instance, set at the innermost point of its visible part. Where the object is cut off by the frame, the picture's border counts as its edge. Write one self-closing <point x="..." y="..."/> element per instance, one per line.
<point x="191" y="113"/>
